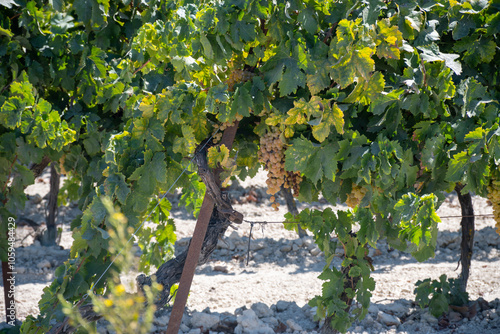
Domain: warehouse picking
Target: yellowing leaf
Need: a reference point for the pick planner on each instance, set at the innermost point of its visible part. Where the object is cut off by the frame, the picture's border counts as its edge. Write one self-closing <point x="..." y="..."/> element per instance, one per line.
<point x="389" y="40"/>
<point x="218" y="155"/>
<point x="333" y="116"/>
<point x="356" y="64"/>
<point x="366" y="92"/>
<point x="322" y="130"/>
<point x="296" y="116"/>
<point x="338" y="118"/>
<point x="303" y="110"/>
<point x="147" y="106"/>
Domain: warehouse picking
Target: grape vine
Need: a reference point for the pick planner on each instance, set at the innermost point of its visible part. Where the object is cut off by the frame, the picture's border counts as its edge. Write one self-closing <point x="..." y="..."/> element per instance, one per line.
<point x="356" y="101"/>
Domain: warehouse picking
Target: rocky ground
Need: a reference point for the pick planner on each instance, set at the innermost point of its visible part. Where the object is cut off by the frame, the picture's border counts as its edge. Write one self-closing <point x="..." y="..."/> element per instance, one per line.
<point x="270" y="293"/>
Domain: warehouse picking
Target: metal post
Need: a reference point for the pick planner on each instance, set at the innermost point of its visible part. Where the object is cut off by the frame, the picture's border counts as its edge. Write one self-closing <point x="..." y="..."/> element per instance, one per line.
<point x="195" y="246"/>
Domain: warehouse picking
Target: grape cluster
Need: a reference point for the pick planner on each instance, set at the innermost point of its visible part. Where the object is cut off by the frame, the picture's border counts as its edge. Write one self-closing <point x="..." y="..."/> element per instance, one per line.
<point x="356" y="195"/>
<point x="494" y="197"/>
<point x="236" y="77"/>
<point x="293" y="180"/>
<point x="272" y="155"/>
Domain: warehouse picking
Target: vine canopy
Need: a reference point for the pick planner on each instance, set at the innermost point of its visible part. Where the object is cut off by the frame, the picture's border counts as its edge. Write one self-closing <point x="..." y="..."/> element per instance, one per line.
<point x="383" y="104"/>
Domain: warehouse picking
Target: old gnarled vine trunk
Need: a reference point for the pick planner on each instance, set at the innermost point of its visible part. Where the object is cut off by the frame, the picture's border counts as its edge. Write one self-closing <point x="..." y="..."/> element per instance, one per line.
<point x="467" y="243"/>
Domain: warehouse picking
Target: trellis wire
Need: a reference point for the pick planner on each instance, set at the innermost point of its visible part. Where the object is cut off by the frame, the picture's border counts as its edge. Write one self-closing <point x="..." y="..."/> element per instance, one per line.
<point x="262" y="223"/>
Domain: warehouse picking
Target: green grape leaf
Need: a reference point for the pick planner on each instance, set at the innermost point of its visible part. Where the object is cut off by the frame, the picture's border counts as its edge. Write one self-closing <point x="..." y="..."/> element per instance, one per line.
<point x="242" y="102"/>
<point x="307" y="19"/>
<point x="207" y="46"/>
<point x="438" y="305"/>
<point x="474" y="96"/>
<point x="432" y="53"/>
<point x="292" y="79"/>
<point x="115" y="184"/>
<point x="320" y="78"/>
<point x="97" y="56"/>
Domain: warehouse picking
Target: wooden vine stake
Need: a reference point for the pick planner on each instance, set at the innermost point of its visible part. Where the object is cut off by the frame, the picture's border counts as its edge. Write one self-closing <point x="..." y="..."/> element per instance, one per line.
<point x="196" y="245"/>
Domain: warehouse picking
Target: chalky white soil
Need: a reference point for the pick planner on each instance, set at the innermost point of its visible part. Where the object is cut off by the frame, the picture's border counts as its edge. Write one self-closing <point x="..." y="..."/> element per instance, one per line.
<point x="270" y="294"/>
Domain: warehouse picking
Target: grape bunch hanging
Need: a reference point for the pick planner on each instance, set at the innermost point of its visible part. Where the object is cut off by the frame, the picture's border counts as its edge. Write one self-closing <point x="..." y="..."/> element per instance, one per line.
<point x="238" y="76"/>
<point x="494" y="197"/>
<point x="272" y="155"/>
<point x="356" y="196"/>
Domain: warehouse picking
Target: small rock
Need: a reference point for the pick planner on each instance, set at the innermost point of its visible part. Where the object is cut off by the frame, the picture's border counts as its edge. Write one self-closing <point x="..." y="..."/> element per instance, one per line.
<point x="43" y="264"/>
<point x="258" y="258"/>
<point x="295" y="247"/>
<point x="270" y="321"/>
<point x="222" y="269"/>
<point x="429" y="318"/>
<point x="257" y="245"/>
<point x="454" y="316"/>
<point x="226" y="244"/>
<point x="262" y="310"/>
<point x="394" y="254"/>
<point x="184" y="328"/>
<point x="182" y="242"/>
<point x="299" y="242"/>
<point x="207" y="321"/>
<point x="286" y="248"/>
<point x="315" y="251"/>
<point x="234" y="235"/>
<point x="373" y="309"/>
<point x="162" y="321"/>
<point x="239" y="310"/>
<point x="195" y="331"/>
<point x="395" y="308"/>
<point x="387" y="319"/>
<point x="368" y="320"/>
<point x="36" y="199"/>
<point x="492" y="239"/>
<point x="282" y="305"/>
<point x="307" y="241"/>
<point x="483" y="304"/>
<point x="248" y="322"/>
<point x="293" y="325"/>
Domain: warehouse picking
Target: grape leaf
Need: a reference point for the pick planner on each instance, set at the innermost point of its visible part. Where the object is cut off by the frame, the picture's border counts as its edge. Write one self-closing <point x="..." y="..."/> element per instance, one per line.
<point x="242" y="101"/>
<point x="292" y="79"/>
<point x="367" y="91"/>
<point x="217" y="155"/>
<point x="432" y="53"/>
<point x="389" y="40"/>
<point x="308" y="21"/>
<point x="356" y="63"/>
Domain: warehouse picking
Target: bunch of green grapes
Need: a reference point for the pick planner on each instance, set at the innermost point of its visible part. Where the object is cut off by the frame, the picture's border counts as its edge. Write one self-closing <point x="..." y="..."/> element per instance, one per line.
<point x="236" y="77"/>
<point x="356" y="195"/>
<point x="494" y="197"/>
<point x="272" y="155"/>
